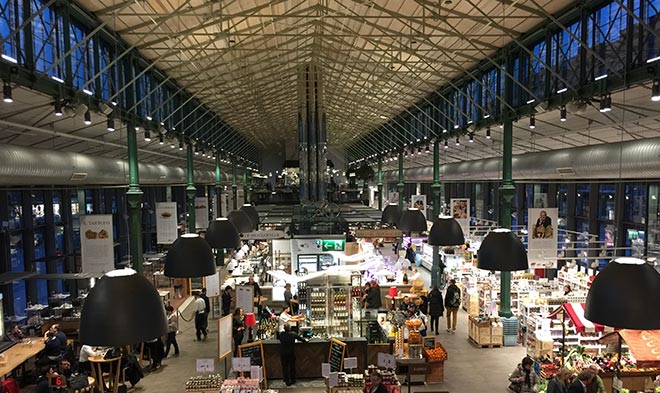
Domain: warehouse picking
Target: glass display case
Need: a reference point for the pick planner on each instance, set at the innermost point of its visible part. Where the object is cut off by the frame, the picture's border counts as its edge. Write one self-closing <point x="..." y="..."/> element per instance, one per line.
<point x="332" y="305"/>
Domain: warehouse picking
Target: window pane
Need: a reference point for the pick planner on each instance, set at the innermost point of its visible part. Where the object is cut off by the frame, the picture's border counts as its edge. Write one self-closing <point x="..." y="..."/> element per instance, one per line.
<point x="582" y="201"/>
<point x="635" y="203"/>
<point x="606" y="202"/>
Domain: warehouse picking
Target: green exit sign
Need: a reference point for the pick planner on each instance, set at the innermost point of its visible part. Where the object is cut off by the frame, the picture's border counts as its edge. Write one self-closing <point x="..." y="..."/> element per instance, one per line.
<point x="332" y="245"/>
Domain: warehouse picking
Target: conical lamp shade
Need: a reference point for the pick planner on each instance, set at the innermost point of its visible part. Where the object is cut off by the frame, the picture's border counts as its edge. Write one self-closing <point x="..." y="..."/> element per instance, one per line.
<point x="502" y="251"/>
<point x="189" y="256"/>
<point x="221" y="233"/>
<point x="123" y="308"/>
<point x="252" y="212"/>
<point x="446" y="231"/>
<point x="625" y="294"/>
<point x="412" y="220"/>
<point x="391" y="214"/>
<point x="241" y="221"/>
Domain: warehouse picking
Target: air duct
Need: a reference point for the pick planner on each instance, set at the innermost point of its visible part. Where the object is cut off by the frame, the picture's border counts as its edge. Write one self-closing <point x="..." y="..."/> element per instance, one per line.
<point x="29" y="166"/>
<point x="637" y="159"/>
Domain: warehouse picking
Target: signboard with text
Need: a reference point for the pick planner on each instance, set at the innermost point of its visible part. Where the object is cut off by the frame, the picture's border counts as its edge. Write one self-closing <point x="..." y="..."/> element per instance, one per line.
<point x="166" y="222"/>
<point x="97" y="243"/>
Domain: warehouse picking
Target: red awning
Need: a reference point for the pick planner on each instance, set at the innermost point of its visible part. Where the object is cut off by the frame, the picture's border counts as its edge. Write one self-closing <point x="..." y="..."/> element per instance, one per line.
<point x="575" y="312"/>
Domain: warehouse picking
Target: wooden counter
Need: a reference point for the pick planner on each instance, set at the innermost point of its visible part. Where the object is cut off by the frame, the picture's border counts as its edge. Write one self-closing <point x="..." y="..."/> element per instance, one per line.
<point x="309" y="356"/>
<point x="19" y="353"/>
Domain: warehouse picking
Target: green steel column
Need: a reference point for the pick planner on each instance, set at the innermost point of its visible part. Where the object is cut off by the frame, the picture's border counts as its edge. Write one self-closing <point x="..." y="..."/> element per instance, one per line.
<point x="191" y="190"/>
<point x="380" y="184"/>
<point x="435" y="189"/>
<point x="134" y="197"/>
<point x="234" y="187"/>
<point x="400" y="186"/>
<point x="507" y="191"/>
<point x="245" y="181"/>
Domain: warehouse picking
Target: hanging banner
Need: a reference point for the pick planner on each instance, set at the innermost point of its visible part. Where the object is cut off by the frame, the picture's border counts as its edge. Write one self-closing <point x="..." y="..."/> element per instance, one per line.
<point x="212" y="284"/>
<point x="201" y="213"/>
<point x="419" y="202"/>
<point x="166" y="222"/>
<point x="97" y="243"/>
<point x="460" y="210"/>
<point x="542" y="238"/>
<point x="224" y="202"/>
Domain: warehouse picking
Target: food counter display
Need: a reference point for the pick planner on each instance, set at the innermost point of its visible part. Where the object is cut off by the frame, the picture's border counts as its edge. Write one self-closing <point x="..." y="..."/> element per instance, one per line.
<point x="310" y="355"/>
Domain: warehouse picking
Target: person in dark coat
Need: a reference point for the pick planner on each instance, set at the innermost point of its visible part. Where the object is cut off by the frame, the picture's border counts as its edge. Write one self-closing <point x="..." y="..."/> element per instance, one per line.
<point x="238" y="328"/>
<point x="226" y="301"/>
<point x="373" y="296"/>
<point x="376" y="382"/>
<point x="580" y="384"/>
<point x="287" y="355"/>
<point x="436" y="308"/>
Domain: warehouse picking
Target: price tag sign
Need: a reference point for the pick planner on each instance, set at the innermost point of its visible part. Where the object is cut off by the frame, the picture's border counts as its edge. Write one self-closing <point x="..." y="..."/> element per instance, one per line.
<point x="241" y="364"/>
<point x="205" y="365"/>
<point x="325" y="370"/>
<point x="617" y="383"/>
<point x="333" y="379"/>
<point x="255" y="373"/>
<point x="386" y="360"/>
<point x="350" y="363"/>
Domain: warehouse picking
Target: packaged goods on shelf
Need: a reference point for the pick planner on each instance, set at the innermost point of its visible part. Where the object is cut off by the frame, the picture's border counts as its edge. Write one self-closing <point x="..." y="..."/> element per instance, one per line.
<point x="240" y="385"/>
<point x="204" y="383"/>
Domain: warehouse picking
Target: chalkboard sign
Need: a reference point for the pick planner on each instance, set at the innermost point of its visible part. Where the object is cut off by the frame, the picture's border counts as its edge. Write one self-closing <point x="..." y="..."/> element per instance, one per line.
<point x="336" y="355"/>
<point x="254" y="351"/>
<point x="429" y="342"/>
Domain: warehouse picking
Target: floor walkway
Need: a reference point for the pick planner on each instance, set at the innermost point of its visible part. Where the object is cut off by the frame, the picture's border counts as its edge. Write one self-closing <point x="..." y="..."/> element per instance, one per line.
<point x="468" y="369"/>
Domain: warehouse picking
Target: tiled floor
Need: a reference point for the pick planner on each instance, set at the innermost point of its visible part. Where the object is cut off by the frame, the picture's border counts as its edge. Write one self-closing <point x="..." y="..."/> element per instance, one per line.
<point x="468" y="369"/>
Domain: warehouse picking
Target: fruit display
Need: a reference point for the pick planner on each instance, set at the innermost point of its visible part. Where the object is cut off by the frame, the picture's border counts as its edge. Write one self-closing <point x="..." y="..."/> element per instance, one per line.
<point x="436" y="354"/>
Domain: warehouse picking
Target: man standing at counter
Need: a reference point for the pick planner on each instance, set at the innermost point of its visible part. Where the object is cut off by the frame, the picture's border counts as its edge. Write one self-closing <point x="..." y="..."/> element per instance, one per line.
<point x="373" y="296"/>
<point x="286" y="318"/>
<point x="287" y="355"/>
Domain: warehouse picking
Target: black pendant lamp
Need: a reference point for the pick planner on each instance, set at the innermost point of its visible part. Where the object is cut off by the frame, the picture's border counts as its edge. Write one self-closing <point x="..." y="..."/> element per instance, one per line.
<point x="412" y="220"/>
<point x="391" y="214"/>
<point x="625" y="294"/>
<point x="446" y="231"/>
<point x="241" y="220"/>
<point x="252" y="212"/>
<point x="502" y="251"/>
<point x="189" y="256"/>
<point x="221" y="233"/>
<point x="123" y="308"/>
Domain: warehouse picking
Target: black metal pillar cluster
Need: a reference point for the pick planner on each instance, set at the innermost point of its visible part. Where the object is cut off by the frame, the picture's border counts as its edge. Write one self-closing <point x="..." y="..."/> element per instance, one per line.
<point x="312" y="135"/>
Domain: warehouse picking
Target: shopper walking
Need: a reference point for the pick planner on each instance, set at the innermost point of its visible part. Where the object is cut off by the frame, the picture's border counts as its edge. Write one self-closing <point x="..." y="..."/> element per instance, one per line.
<point x="560" y="383"/>
<point x="452" y="302"/>
<point x="287" y="354"/>
<point x="287" y="294"/>
<point x="200" y="310"/>
<point x="523" y="379"/>
<point x="436" y="308"/>
<point x="172" y="327"/>
<point x="226" y="300"/>
<point x="207" y="310"/>
<point x="238" y="328"/>
<point x="596" y="385"/>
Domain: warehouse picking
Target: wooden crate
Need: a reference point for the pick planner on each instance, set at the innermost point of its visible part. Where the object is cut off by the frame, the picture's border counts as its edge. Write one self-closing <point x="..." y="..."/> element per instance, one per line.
<point x="437" y="373"/>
